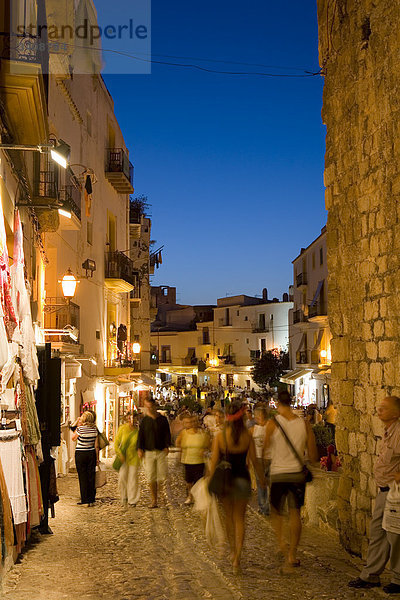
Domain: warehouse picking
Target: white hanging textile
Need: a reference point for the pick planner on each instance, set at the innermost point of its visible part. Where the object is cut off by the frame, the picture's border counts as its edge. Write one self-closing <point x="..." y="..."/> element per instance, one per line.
<point x="11" y="460"/>
<point x="21" y="301"/>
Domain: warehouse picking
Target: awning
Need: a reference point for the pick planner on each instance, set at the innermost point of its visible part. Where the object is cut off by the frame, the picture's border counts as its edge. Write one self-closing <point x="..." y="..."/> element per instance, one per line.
<point x="302" y="343"/>
<point x="317" y="293"/>
<point x="73" y="369"/>
<point x="322" y="374"/>
<point x="293" y="375"/>
<point x="229" y="369"/>
<point x="149" y="381"/>
<point x="319" y="340"/>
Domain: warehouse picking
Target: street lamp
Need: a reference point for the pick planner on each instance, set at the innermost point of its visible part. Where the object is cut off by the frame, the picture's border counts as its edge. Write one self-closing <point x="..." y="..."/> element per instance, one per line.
<point x="136" y="348"/>
<point x="59" y="150"/>
<point x="68" y="284"/>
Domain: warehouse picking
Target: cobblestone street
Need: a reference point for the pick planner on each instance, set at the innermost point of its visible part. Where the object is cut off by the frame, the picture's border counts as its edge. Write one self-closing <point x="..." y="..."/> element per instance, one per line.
<point x="117" y="553"/>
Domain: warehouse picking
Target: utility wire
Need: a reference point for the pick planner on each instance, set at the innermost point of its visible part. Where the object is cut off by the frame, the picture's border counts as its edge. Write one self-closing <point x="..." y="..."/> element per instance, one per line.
<point x="304" y="74"/>
<point x="207" y="70"/>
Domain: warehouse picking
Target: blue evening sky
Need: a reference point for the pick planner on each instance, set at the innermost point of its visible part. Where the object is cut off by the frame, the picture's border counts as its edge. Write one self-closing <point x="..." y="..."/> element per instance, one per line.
<point x="232" y="165"/>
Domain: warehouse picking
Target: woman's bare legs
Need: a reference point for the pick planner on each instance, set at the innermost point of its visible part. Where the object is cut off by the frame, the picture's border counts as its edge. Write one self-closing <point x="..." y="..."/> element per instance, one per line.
<point x="230" y="529"/>
<point x="239" y="512"/>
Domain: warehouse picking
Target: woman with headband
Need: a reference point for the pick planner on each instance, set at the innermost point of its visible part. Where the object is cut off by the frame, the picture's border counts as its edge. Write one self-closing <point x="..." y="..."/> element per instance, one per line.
<point x="236" y="444"/>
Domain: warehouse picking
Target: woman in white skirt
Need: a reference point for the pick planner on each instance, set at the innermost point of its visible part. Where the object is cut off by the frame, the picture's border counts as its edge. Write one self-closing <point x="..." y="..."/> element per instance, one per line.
<point x="126" y="450"/>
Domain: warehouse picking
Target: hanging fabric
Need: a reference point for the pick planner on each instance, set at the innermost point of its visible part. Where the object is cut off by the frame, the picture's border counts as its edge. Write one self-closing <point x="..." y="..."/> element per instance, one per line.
<point x="11" y="459"/>
<point x="7" y="526"/>
<point x="88" y="194"/>
<point x="10" y="320"/>
<point x="21" y="300"/>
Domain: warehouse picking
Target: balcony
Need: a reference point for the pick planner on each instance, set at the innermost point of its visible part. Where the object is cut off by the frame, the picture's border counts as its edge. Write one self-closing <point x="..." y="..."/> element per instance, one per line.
<point x="258" y="329"/>
<point x="318" y="312"/>
<point x="57" y="315"/>
<point x="70" y="196"/>
<point x="117" y="367"/>
<point x="134" y="296"/>
<point x="119" y="274"/>
<point x="135" y="222"/>
<point x="119" y="171"/>
<point x="301" y="279"/>
<point x="228" y="360"/>
<point x="22" y="89"/>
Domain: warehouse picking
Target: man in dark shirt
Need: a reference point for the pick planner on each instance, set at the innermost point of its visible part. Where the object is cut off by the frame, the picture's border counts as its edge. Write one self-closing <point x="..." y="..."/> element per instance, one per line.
<point x="154" y="440"/>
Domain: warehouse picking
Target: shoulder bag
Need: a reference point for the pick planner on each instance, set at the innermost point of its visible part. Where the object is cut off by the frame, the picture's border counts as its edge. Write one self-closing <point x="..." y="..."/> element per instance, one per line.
<point x="220" y="483"/>
<point x="103" y="441"/>
<point x="308" y="476"/>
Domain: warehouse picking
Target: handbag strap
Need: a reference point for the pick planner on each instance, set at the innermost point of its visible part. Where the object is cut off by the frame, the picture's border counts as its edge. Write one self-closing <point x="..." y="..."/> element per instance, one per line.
<point x="125" y="447"/>
<point x="289" y="443"/>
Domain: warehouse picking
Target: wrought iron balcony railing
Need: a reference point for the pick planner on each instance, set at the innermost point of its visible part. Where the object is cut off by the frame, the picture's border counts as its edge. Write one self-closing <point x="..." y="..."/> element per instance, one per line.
<point x="318" y="310"/>
<point x="301" y="279"/>
<point x="119" y="266"/>
<point x="118" y="162"/>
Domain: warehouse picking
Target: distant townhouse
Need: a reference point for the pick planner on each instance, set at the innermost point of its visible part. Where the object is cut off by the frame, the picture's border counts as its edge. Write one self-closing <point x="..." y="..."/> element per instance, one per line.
<point x="309" y="333"/>
<point x="218" y="345"/>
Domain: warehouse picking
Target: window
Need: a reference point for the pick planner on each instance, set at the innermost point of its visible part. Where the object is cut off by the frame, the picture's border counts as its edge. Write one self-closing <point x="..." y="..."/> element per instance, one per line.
<point x="321" y="256"/>
<point x="237" y="313"/>
<point x="206" y="335"/>
<point x="247" y="341"/>
<point x="89" y="122"/>
<point x="229" y="380"/>
<point x="246" y="318"/>
<point x="263" y="344"/>
<point x="165" y="354"/>
<point x="89" y="233"/>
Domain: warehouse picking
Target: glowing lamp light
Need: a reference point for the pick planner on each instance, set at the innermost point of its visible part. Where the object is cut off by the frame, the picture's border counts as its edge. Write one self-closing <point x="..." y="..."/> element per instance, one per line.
<point x="60" y="154"/>
<point x="213" y="362"/>
<point x="136" y="348"/>
<point x="64" y="213"/>
<point x="68" y="284"/>
<point x="323" y="353"/>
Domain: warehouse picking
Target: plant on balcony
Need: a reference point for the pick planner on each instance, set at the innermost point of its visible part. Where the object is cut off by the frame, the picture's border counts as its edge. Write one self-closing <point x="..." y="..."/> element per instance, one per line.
<point x="269" y="368"/>
<point x="138" y="207"/>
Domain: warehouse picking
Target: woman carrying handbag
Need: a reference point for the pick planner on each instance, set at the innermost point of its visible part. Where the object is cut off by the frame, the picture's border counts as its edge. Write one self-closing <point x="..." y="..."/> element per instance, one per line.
<point x="230" y="478"/>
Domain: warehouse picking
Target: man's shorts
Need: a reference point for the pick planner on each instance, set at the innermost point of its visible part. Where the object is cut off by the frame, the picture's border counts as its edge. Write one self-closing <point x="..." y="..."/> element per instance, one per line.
<point x="155" y="465"/>
<point x="282" y="490"/>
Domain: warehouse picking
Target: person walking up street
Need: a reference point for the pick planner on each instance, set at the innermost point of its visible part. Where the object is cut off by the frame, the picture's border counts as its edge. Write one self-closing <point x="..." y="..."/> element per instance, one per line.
<point x="286" y="473"/>
<point x="237" y="445"/>
<point x="154" y="440"/>
<point x="383" y="545"/>
<point x="194" y="442"/>
<point x="126" y="450"/>
<point x="258" y="433"/>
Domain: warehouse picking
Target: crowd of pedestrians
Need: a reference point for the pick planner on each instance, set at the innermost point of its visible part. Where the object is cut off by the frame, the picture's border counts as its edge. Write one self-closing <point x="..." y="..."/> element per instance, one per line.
<point x="253" y="445"/>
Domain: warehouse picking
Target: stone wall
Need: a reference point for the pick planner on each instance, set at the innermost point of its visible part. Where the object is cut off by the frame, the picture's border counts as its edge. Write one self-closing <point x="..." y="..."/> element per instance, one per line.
<point x="360" y="56"/>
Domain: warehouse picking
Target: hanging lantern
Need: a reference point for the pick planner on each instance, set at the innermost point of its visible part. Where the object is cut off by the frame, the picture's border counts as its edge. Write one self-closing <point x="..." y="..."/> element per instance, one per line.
<point x="136" y="348"/>
<point x="68" y="284"/>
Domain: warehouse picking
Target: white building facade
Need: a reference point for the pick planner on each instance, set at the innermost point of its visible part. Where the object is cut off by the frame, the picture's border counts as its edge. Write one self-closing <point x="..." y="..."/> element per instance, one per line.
<point x="309" y="333"/>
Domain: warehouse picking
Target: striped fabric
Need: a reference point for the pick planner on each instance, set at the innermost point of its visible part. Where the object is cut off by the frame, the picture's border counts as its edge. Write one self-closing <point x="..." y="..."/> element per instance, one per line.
<point x="87" y="435"/>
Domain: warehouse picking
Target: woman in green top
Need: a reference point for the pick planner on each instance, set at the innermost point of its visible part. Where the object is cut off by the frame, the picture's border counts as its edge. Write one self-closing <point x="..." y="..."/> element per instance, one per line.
<point x="125" y="448"/>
